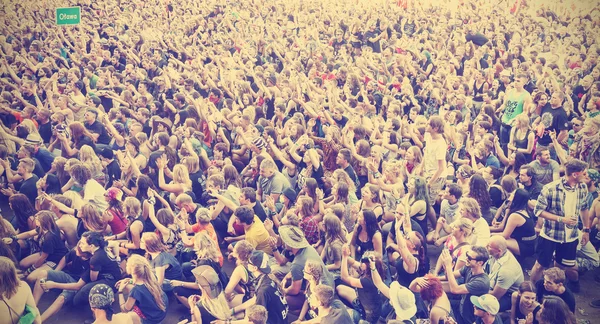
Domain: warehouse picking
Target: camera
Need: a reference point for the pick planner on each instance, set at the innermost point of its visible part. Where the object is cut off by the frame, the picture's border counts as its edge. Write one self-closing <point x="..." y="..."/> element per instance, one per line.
<point x="365" y="259"/>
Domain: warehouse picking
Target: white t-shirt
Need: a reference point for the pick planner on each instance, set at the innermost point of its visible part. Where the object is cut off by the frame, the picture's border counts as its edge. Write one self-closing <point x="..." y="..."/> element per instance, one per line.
<point x="435" y="150"/>
<point x="482" y="232"/>
<point x="93" y="192"/>
<point x="570" y="210"/>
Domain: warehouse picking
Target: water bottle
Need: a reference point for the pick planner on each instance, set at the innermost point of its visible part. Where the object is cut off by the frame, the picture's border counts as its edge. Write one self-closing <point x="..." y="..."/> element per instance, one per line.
<point x="42" y="281"/>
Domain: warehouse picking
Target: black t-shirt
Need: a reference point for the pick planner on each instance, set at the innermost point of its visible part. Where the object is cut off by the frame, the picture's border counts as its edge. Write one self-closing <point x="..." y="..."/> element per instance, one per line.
<point x="342" y="122"/>
<point x="369" y="297"/>
<point x="29" y="189"/>
<point x="45" y="131"/>
<point x="75" y="265"/>
<point x="51" y="244"/>
<point x="98" y="128"/>
<point x="107" y="267"/>
<point x="259" y="211"/>
<point x="85" y="140"/>
<point x="269" y="295"/>
<point x="350" y="171"/>
<point x="376" y="46"/>
<point x="554" y="120"/>
<point x="566" y="296"/>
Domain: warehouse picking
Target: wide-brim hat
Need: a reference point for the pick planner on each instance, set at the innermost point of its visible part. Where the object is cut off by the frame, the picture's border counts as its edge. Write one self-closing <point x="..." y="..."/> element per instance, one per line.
<point x="164" y="121"/>
<point x="293" y="237"/>
<point x="403" y="301"/>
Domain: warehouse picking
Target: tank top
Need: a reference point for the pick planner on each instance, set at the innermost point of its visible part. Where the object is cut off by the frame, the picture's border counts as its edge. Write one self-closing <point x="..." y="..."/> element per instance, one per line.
<point x="118" y="224"/>
<point x="405" y="278"/>
<point x="363" y="247"/>
<point x="523" y="143"/>
<point x="248" y="286"/>
<point x="525" y="232"/>
<point x="514" y="106"/>
<point x="130" y="237"/>
<point x="478" y="92"/>
<point x="520" y="316"/>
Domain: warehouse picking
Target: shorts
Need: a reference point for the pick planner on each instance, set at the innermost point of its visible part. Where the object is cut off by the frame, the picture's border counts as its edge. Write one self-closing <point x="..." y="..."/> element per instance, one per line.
<point x="435" y="188"/>
<point x="63" y="277"/>
<point x="564" y="253"/>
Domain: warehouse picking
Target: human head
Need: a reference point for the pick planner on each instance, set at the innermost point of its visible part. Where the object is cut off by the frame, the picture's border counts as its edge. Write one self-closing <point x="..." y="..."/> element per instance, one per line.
<point x="313" y="271"/>
<point x="343" y="158"/>
<point x="542" y="153"/>
<point x="555" y="310"/>
<point x="90" y="241"/>
<point x="485" y="304"/>
<point x="527" y="292"/>
<point x="101" y="297"/>
<point x="267" y="168"/>
<point x="244" y="215"/>
<point x="25" y="166"/>
<point x="497" y="246"/>
<point x="554" y="279"/>
<point x="436" y="125"/>
<point x="9" y="281"/>
<point x="576" y="168"/>
<point x="526" y="175"/>
<point x="257" y="314"/>
<point x="470" y="208"/>
<point x="519" y="201"/>
<point x="80" y="173"/>
<point x="325" y="295"/>
<point x="152" y="243"/>
<point x="242" y="251"/>
<point x="477" y="256"/>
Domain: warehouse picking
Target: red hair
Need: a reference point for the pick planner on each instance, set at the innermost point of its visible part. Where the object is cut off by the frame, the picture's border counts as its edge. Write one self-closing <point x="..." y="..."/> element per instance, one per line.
<point x="434" y="290"/>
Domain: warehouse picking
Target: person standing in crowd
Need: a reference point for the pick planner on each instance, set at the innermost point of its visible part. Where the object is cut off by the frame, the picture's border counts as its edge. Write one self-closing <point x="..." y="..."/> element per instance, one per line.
<point x="434" y="157"/>
<point x="546" y="169"/>
<point x="562" y="204"/>
<point x="514" y="102"/>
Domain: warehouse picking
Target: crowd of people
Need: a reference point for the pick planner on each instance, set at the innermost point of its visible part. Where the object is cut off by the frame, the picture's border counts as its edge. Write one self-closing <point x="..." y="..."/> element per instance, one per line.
<point x="274" y="161"/>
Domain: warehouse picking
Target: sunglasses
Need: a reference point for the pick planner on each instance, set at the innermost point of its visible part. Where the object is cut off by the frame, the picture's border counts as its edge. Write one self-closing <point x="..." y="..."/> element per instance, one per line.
<point x="471" y="259"/>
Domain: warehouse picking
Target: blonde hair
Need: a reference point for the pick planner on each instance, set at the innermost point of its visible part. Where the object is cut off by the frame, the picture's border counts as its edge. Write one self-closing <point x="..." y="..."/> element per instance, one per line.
<point x="132" y="207"/>
<point x="206" y="248"/>
<point x="152" y="243"/>
<point x="141" y="269"/>
<point x="471" y="206"/>
<point x="181" y="175"/>
<point x="89" y="158"/>
<point x="92" y="219"/>
<point x="465" y="225"/>
<point x="522" y="121"/>
<point x="9" y="282"/>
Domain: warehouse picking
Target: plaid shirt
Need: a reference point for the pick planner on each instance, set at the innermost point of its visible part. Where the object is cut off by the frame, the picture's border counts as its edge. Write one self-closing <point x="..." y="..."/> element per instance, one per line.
<point x="310" y="227"/>
<point x="552" y="199"/>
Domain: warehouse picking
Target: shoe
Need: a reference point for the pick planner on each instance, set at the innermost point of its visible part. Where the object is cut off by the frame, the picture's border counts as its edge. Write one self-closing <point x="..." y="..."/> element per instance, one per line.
<point x="595" y="303"/>
<point x="574" y="286"/>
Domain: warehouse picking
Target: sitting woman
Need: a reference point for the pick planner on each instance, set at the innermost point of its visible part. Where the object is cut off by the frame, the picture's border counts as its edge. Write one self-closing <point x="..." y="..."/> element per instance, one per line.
<point x="240" y="287"/>
<point x="128" y="242"/>
<point x="313" y="272"/>
<point x="211" y="305"/>
<point x="366" y="236"/>
<point x="164" y="221"/>
<point x="51" y="246"/>
<point x="417" y="201"/>
<point x="18" y="304"/>
<point x="361" y="292"/>
<point x="457" y="243"/>
<point x="371" y="200"/>
<point x="181" y="179"/>
<point x="146" y="302"/>
<point x="524" y="304"/>
<point x="432" y="293"/>
<point x="165" y="266"/>
<point x="101" y="299"/>
<point x="517" y="227"/>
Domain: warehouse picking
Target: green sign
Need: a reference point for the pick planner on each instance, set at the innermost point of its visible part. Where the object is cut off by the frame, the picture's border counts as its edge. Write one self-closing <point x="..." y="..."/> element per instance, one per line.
<point x="68" y="16"/>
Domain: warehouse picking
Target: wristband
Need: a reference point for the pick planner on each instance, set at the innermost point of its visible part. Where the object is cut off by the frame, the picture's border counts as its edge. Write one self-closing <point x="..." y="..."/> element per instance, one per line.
<point x="586" y="230"/>
<point x="560" y="219"/>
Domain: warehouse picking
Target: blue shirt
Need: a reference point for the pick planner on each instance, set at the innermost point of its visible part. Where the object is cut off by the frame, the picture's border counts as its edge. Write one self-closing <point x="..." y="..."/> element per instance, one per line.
<point x="45" y="157"/>
<point x="492" y="161"/>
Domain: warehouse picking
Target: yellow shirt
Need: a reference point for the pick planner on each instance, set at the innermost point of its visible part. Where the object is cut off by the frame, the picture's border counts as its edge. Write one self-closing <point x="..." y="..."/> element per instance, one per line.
<point x="258" y="236"/>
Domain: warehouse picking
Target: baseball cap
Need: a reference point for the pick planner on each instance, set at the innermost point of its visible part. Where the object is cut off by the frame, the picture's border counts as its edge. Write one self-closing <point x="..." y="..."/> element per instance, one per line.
<point x="260" y="260"/>
<point x="208" y="279"/>
<point x="486" y="302"/>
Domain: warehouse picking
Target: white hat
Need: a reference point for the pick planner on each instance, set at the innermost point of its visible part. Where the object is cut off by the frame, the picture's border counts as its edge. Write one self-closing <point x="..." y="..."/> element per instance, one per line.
<point x="403" y="301"/>
<point x="487" y="302"/>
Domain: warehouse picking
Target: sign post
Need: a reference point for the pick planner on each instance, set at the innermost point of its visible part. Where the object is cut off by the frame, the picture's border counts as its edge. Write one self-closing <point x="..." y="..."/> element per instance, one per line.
<point x="68" y="16"/>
